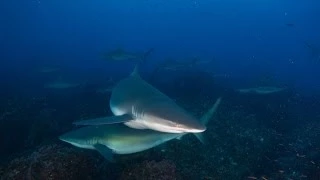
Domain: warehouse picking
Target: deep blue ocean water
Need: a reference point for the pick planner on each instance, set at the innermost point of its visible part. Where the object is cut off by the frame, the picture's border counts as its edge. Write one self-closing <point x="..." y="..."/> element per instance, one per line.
<point x="242" y="44"/>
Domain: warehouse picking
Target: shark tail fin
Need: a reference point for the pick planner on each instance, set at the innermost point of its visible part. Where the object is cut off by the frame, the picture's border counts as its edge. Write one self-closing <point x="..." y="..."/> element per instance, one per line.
<point x="146" y="55"/>
<point x="206" y="118"/>
<point x="208" y="115"/>
<point x="135" y="71"/>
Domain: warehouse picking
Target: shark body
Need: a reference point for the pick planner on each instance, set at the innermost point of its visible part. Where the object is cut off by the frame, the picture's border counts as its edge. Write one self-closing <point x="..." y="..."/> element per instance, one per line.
<point x="61" y="85"/>
<point x="261" y="90"/>
<point x="139" y="105"/>
<point x="177" y="65"/>
<point x="120" y="139"/>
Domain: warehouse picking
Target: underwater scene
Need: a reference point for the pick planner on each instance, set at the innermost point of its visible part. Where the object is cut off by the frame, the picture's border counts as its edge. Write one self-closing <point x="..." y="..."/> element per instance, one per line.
<point x="160" y="90"/>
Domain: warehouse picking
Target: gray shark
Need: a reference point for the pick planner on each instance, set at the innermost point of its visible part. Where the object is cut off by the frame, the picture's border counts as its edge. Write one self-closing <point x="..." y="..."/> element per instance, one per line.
<point x="120" y="139"/>
<point x="261" y="90"/>
<point x="139" y="105"/>
<point x="177" y="65"/>
<point x="122" y="55"/>
<point x="173" y="65"/>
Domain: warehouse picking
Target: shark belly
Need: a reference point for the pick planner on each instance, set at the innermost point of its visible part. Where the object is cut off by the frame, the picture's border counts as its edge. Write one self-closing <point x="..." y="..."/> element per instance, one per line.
<point x="146" y="142"/>
<point x="132" y="149"/>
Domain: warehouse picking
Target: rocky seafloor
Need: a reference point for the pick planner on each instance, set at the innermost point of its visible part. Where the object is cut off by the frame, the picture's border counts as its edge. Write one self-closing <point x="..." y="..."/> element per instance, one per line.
<point x="247" y="139"/>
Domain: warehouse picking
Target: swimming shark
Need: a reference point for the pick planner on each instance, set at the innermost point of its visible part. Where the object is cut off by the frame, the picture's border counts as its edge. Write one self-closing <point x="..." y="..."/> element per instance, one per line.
<point x="173" y="65"/>
<point x="176" y="65"/>
<point x="120" y="139"/>
<point x="122" y="55"/>
<point x="139" y="105"/>
<point x="262" y="90"/>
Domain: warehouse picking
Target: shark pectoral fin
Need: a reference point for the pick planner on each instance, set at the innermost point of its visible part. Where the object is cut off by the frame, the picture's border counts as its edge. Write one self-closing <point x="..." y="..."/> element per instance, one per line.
<point x="201" y="137"/>
<point x="104" y="151"/>
<point x="105" y="120"/>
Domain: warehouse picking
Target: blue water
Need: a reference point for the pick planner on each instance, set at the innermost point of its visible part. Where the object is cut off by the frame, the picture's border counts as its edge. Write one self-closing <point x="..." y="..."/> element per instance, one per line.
<point x="248" y="40"/>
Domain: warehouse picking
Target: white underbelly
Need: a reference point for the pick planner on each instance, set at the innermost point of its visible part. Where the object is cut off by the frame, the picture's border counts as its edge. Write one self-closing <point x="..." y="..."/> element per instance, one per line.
<point x="138" y="147"/>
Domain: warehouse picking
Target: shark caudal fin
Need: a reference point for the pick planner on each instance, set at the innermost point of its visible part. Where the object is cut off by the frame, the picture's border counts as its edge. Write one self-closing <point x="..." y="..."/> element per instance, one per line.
<point x="135" y="71"/>
<point x="206" y="118"/>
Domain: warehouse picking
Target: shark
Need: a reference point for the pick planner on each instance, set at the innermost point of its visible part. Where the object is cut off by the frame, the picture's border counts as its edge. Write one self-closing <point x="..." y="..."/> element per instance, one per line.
<point x="139" y="105"/>
<point x="120" y="139"/>
<point x="173" y="65"/>
<point x="261" y="90"/>
<point x="177" y="65"/>
<point x="122" y="55"/>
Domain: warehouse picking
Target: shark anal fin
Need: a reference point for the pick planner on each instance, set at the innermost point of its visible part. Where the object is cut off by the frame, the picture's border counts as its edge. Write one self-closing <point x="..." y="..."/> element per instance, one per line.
<point x="105" y="120"/>
<point x="104" y="151"/>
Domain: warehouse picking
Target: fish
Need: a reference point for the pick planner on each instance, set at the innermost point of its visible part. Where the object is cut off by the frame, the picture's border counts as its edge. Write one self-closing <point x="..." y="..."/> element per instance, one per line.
<point x="122" y="55"/>
<point x="120" y="139"/>
<point x="170" y="64"/>
<point x="176" y="65"/>
<point x="139" y="105"/>
<point x="261" y="90"/>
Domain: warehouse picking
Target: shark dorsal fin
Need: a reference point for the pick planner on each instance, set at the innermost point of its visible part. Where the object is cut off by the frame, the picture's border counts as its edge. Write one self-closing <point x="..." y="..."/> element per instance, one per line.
<point x="135" y="71"/>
